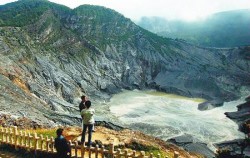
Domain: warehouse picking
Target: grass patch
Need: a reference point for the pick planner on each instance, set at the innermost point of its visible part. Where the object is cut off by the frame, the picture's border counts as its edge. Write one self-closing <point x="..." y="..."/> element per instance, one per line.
<point x="148" y="149"/>
<point x="45" y="132"/>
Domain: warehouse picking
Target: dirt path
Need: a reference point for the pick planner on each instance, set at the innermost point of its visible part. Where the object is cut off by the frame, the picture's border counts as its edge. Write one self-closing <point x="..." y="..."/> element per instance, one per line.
<point x="106" y="136"/>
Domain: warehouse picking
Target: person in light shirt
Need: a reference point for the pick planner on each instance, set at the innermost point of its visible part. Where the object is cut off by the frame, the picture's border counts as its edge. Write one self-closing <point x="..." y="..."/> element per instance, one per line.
<point x="88" y="122"/>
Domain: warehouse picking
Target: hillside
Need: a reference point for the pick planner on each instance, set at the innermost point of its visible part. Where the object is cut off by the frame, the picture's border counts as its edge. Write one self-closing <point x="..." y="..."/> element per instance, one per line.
<point x="57" y="54"/>
<point x="51" y="55"/>
<point x="60" y="54"/>
<point x="223" y="29"/>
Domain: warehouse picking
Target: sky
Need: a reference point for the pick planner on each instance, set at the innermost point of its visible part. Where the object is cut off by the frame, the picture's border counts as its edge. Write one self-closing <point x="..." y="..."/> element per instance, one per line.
<point x="188" y="10"/>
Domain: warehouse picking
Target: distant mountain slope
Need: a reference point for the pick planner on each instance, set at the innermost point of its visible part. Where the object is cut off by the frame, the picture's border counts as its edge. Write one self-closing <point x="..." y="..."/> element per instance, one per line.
<point x="224" y="29"/>
<point x="24" y="12"/>
<point x="50" y="60"/>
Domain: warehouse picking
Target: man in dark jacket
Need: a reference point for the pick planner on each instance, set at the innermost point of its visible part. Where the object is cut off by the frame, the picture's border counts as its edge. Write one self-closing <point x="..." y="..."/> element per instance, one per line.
<point x="82" y="104"/>
<point x="61" y="145"/>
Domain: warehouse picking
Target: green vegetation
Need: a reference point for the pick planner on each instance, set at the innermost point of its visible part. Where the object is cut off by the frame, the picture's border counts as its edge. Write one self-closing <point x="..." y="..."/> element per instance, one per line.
<point x="95" y="27"/>
<point x="98" y="14"/>
<point x="25" y="12"/>
<point x="45" y="132"/>
<point x="148" y="149"/>
<point x="101" y="25"/>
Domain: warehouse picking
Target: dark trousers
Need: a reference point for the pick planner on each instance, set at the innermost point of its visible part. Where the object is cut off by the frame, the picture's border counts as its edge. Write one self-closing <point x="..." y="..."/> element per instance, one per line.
<point x="90" y="128"/>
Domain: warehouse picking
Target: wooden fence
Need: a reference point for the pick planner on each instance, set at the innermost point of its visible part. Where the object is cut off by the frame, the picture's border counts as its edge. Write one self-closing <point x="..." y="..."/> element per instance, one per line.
<point x="21" y="139"/>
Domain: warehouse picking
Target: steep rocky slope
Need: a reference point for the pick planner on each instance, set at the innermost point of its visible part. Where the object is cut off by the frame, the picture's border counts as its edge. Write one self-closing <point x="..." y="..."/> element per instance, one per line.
<point x="50" y="55"/>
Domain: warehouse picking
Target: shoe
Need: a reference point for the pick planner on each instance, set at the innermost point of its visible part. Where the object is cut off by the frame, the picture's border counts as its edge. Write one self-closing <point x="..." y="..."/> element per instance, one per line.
<point x="93" y="130"/>
<point x="89" y="144"/>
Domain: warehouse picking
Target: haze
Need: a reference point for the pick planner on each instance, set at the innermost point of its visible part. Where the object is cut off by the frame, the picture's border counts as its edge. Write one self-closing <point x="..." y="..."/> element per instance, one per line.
<point x="170" y="9"/>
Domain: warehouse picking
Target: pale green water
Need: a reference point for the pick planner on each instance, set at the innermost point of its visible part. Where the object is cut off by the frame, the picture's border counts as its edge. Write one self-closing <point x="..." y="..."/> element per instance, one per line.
<point x="166" y="116"/>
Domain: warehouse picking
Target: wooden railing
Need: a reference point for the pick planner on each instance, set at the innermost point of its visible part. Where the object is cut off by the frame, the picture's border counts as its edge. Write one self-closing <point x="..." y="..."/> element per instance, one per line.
<point x="22" y="139"/>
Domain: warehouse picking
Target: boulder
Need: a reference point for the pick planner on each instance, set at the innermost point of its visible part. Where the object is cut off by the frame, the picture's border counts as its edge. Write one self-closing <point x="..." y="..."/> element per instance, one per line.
<point x="200" y="148"/>
<point x="208" y="105"/>
<point x="243" y="113"/>
<point x="191" y="144"/>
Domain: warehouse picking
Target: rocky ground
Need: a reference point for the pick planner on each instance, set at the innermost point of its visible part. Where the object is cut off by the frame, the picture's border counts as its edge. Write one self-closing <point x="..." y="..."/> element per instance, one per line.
<point x="123" y="138"/>
<point x="128" y="139"/>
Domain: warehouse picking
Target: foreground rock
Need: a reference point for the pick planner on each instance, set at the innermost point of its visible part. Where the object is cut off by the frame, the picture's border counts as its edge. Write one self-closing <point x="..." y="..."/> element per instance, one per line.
<point x="210" y="104"/>
<point x="235" y="147"/>
<point x="191" y="144"/>
<point x="242" y="117"/>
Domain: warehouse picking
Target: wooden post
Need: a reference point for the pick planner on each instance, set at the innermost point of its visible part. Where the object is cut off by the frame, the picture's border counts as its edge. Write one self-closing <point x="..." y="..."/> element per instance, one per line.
<point x="96" y="151"/>
<point x="42" y="141"/>
<point x="118" y="153"/>
<point x="26" y="139"/>
<point x="126" y="153"/>
<point x="35" y="141"/>
<point x="151" y="155"/>
<point x="47" y="143"/>
<point x="134" y="153"/>
<point x="21" y="138"/>
<point x="90" y="152"/>
<point x="75" y="147"/>
<point x="52" y="144"/>
<point x="176" y="154"/>
<point x="158" y="155"/>
<point x="102" y="151"/>
<point x="11" y="136"/>
<point x="29" y="140"/>
<point x="15" y="137"/>
<point x="35" y="138"/>
<point x="142" y="154"/>
<point x="111" y="150"/>
<point x="4" y="135"/>
<point x="1" y="134"/>
<point x="7" y="136"/>
<point x="82" y="150"/>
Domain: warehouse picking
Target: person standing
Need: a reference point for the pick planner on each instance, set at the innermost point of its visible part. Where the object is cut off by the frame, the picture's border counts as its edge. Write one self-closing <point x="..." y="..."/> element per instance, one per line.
<point x="82" y="106"/>
<point x="62" y="145"/>
<point x="88" y="122"/>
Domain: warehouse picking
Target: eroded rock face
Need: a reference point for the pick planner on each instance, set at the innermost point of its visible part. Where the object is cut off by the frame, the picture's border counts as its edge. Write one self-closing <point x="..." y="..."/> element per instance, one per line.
<point x="22" y="122"/>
